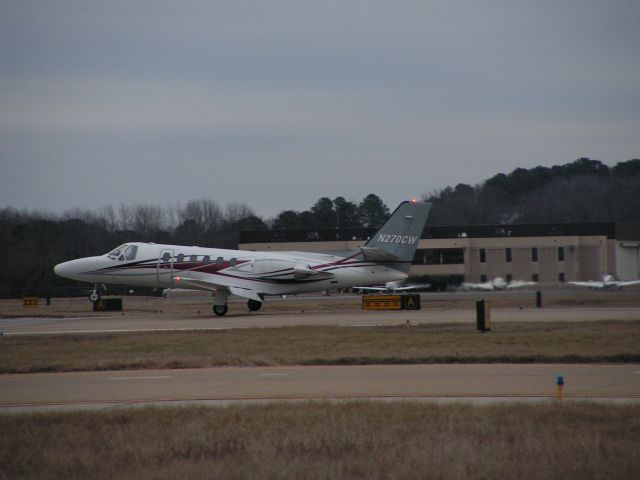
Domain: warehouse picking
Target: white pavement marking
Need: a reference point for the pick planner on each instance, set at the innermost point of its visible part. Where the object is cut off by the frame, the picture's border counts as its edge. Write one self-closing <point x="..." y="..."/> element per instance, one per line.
<point x="140" y="378"/>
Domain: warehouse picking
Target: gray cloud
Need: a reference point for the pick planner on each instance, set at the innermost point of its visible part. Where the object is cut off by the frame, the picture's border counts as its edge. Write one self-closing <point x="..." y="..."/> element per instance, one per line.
<point x="278" y="103"/>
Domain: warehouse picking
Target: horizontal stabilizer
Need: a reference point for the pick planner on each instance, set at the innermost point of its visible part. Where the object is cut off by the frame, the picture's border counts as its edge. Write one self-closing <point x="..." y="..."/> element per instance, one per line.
<point x="375" y="254"/>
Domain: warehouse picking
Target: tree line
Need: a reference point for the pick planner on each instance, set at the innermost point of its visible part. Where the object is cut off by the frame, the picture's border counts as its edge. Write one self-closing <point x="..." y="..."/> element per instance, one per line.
<point x="583" y="191"/>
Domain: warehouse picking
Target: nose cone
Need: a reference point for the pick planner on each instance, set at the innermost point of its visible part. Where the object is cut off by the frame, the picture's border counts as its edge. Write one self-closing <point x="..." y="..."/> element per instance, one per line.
<point x="67" y="269"/>
<point x="62" y="269"/>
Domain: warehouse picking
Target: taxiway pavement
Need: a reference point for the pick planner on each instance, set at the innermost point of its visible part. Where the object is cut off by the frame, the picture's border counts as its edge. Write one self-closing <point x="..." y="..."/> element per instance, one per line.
<point x="483" y="382"/>
<point x="132" y="322"/>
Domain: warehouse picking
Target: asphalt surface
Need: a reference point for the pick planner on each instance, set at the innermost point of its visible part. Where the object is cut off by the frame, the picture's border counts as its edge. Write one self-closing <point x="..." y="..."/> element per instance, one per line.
<point x="478" y="382"/>
<point x="131" y="322"/>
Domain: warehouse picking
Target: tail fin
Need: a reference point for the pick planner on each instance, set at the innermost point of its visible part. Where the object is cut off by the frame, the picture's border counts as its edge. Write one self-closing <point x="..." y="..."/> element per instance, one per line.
<point x="396" y="242"/>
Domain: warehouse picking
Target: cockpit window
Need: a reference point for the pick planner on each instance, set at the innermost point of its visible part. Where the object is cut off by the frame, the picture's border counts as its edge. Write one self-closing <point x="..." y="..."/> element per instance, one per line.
<point x="114" y="253"/>
<point x="130" y="253"/>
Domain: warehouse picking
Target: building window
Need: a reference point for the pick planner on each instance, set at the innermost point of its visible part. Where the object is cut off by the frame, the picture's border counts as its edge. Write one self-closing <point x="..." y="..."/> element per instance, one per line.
<point x="439" y="256"/>
<point x="509" y="278"/>
<point x="535" y="277"/>
<point x="483" y="278"/>
<point x="561" y="254"/>
<point x="561" y="277"/>
<point x="483" y="255"/>
<point x="507" y="255"/>
<point x="534" y="254"/>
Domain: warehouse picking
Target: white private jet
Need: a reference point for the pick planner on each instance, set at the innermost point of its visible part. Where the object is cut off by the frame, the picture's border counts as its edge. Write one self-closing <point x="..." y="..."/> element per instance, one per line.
<point x="497" y="283"/>
<point x="386" y="257"/>
<point x="607" y="283"/>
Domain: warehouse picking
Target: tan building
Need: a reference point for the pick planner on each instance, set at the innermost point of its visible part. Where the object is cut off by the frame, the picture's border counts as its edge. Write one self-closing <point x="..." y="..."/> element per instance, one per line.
<point x="550" y="254"/>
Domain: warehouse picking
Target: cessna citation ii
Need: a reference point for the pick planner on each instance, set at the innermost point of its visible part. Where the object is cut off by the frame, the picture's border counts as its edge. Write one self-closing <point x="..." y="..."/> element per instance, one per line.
<point x="386" y="257"/>
<point x="607" y="283"/>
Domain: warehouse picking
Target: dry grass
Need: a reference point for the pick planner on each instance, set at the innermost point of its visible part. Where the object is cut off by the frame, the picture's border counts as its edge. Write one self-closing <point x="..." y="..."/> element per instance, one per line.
<point x="356" y="440"/>
<point x="508" y="342"/>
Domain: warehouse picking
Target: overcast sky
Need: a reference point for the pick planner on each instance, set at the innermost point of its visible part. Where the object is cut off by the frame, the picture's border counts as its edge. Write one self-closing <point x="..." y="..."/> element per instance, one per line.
<point x="277" y="103"/>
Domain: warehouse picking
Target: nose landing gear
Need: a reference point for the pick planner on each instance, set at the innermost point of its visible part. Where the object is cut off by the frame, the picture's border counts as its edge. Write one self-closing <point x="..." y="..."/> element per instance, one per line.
<point x="94" y="295"/>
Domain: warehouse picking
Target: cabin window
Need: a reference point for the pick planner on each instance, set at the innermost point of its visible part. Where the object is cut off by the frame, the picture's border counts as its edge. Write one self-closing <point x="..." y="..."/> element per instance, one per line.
<point x="166" y="257"/>
<point x="206" y="260"/>
<point x="233" y="262"/>
<point x="194" y="259"/>
<point x="181" y="258"/>
<point x="130" y="253"/>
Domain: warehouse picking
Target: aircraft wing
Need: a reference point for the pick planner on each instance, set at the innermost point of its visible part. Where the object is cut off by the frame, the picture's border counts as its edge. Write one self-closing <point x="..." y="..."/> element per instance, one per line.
<point x="629" y="283"/>
<point x="372" y="289"/>
<point x="520" y="283"/>
<point x="393" y="289"/>
<point x="588" y="284"/>
<point x="479" y="286"/>
<point x="205" y="285"/>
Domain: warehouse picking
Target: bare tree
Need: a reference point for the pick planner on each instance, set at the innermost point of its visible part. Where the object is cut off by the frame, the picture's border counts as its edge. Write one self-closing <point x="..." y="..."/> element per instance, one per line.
<point x="148" y="220"/>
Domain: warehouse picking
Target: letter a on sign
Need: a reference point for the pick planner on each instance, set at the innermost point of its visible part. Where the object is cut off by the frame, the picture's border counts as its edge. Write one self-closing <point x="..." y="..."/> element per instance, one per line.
<point x="411" y="302"/>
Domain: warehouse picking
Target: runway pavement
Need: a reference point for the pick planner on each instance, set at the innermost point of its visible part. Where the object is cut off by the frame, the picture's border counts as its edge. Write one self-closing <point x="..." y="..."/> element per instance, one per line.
<point x="132" y="322"/>
<point x="478" y="382"/>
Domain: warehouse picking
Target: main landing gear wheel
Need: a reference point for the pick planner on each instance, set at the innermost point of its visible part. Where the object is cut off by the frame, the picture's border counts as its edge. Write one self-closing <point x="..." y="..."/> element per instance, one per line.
<point x="254" y="305"/>
<point x="94" y="296"/>
<point x="220" y="310"/>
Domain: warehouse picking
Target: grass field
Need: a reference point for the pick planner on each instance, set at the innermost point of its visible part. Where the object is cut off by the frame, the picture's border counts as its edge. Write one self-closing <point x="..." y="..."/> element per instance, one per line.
<point x="354" y="440"/>
<point x="555" y="342"/>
